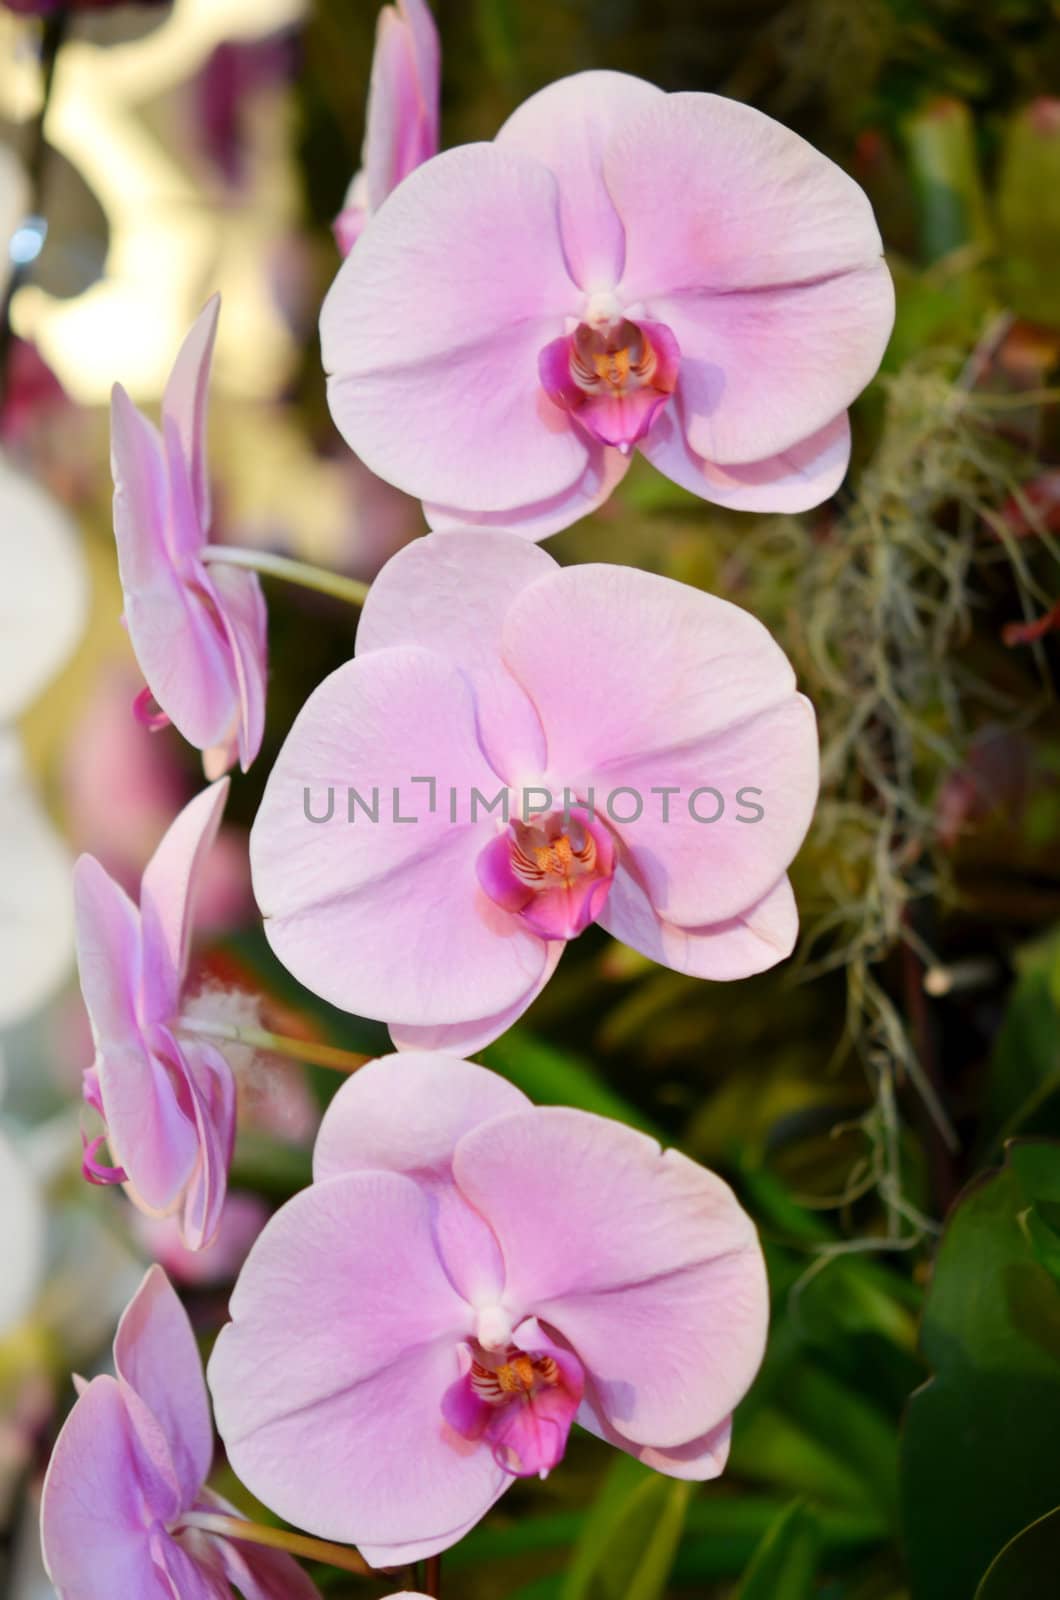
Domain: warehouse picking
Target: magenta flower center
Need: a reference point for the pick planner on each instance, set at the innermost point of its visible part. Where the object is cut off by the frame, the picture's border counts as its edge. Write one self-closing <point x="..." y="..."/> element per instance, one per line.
<point x="554" y="872"/>
<point x="613" y="376"/>
<point x="521" y="1403"/>
<point x="615" y="359"/>
<point x="520" y="1376"/>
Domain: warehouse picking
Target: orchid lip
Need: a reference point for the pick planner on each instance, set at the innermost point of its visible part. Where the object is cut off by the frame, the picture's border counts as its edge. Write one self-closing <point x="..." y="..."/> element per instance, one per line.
<point x="612" y="374"/>
<point x="520" y="1402"/>
<point x="554" y="872"/>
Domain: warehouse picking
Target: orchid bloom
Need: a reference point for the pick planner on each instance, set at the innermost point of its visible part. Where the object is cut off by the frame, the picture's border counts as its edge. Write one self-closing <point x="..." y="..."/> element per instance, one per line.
<point x="166" y="1094"/>
<point x="467" y="1275"/>
<point x="620" y="268"/>
<point x="518" y="750"/>
<point x="401" y="125"/>
<point x="125" y="1486"/>
<point x="197" y="629"/>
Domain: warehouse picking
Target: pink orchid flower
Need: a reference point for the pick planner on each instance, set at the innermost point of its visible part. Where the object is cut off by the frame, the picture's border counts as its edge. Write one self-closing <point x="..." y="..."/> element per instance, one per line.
<point x="490" y="775"/>
<point x="401" y="125"/>
<point x="198" y="629"/>
<point x="467" y="1275"/>
<point x="125" y="1485"/>
<point x="620" y="268"/>
<point x="167" y="1097"/>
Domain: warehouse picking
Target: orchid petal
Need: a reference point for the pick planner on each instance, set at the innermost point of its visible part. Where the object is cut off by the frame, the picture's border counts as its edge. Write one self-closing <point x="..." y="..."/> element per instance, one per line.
<point x="625" y="637"/>
<point x="108" y="955"/>
<point x="326" y="889"/>
<point x="735" y="948"/>
<point x="185" y="401"/>
<point x="451" y="595"/>
<point x="479" y="225"/>
<point x="659" y="1287"/>
<point x="603" y="472"/>
<point x="796" y="480"/>
<point x="92" y="1527"/>
<point x="213" y="1092"/>
<point x="167" y="899"/>
<point x="568" y="127"/>
<point x="367" y="1354"/>
<point x="466" y="1038"/>
<point x="763" y="257"/>
<point x="156" y="1357"/>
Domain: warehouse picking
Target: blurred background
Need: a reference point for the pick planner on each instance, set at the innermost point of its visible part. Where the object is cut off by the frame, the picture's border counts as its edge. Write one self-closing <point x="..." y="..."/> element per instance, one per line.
<point x="886" y="1103"/>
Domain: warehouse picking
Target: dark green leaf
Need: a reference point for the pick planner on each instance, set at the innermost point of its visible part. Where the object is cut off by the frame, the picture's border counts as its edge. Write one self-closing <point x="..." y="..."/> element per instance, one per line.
<point x="630" y="1537"/>
<point x="1028" y="1568"/>
<point x="553" y="1077"/>
<point x="785" y="1562"/>
<point x="1023" y="1087"/>
<point x="979" y="1455"/>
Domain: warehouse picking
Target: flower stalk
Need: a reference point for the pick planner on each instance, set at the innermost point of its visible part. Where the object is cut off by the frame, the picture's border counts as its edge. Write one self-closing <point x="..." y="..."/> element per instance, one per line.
<point x="312" y="1051"/>
<point x="336" y="584"/>
<point x="295" y="1544"/>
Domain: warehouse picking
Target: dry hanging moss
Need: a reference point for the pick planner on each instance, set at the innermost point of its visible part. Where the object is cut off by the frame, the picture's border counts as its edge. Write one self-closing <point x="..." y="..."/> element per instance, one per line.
<point x="879" y="609"/>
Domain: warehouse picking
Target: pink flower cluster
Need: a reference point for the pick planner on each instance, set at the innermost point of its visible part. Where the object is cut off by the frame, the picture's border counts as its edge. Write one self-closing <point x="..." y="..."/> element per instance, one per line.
<point x="517" y="751"/>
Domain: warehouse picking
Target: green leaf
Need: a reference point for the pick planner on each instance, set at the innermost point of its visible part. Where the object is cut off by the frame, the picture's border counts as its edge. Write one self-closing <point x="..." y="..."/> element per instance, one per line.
<point x="979" y="1458"/>
<point x="630" y="1537"/>
<point x="552" y="1077"/>
<point x="940" y="141"/>
<point x="724" y="1531"/>
<point x="269" y="1166"/>
<point x="1023" y="1088"/>
<point x="1028" y="182"/>
<point x="1026" y="1569"/>
<point x="774" y="1447"/>
<point x="785" y="1562"/>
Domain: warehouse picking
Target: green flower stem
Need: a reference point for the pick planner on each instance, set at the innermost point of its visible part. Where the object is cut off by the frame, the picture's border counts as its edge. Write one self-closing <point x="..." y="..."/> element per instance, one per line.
<point x="274" y="566"/>
<point x="277" y="1044"/>
<point x="296" y="1544"/>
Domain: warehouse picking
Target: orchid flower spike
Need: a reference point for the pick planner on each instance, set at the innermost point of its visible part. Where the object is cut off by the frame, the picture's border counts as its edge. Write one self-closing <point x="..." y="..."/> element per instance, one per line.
<point x="197" y="628"/>
<point x="125" y="1485"/>
<point x="402" y="120"/>
<point x="621" y="268"/>
<point x="167" y="1098"/>
<point x="519" y="750"/>
<point x="467" y="1275"/>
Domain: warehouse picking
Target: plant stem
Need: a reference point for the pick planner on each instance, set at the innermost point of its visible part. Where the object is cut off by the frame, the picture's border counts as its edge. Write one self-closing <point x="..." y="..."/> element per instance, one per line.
<point x="433" y="1578"/>
<point x="296" y="1544"/>
<point x="277" y="1044"/>
<point x="336" y="584"/>
<point x="53" y="32"/>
